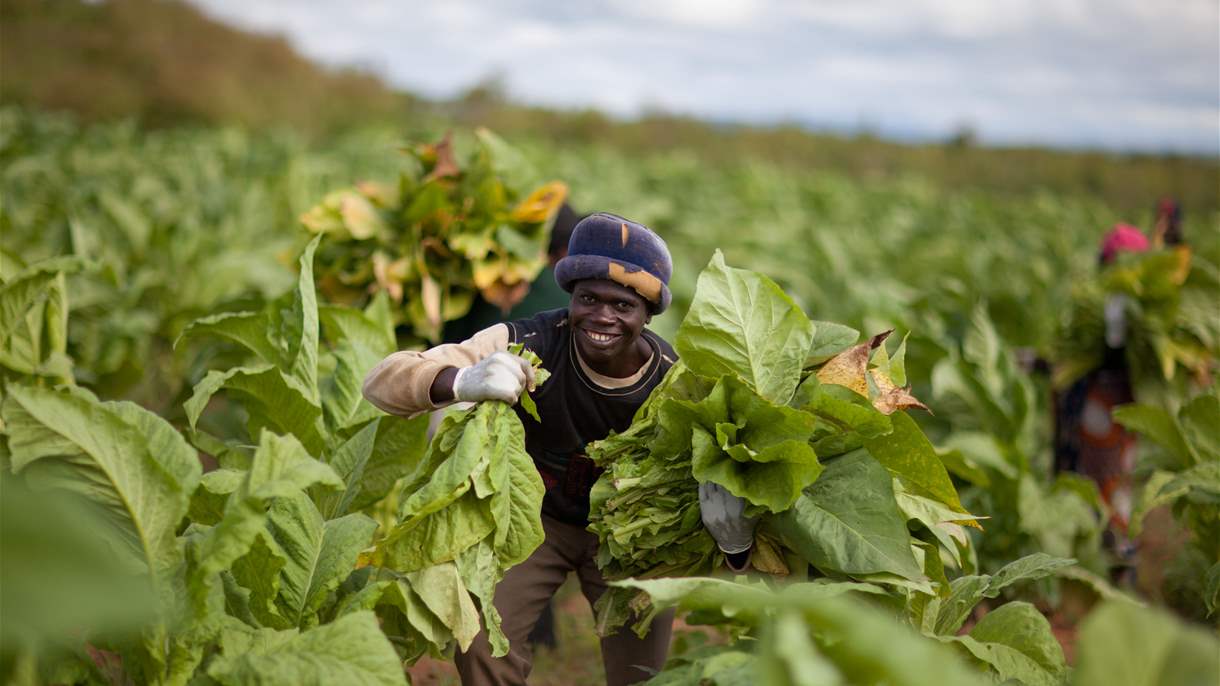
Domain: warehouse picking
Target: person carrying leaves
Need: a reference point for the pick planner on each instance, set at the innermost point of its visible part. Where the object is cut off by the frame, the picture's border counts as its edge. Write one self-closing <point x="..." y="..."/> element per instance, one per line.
<point x="603" y="364"/>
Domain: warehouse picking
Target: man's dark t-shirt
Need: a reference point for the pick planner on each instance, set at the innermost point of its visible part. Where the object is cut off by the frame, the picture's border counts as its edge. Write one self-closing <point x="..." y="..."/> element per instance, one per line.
<point x="575" y="410"/>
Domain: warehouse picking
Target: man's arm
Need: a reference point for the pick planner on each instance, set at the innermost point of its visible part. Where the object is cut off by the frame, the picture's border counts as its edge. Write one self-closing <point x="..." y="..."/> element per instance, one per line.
<point x="409" y="383"/>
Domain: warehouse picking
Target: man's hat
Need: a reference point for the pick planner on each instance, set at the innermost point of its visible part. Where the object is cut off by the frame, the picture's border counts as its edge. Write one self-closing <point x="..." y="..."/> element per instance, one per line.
<point x="607" y="246"/>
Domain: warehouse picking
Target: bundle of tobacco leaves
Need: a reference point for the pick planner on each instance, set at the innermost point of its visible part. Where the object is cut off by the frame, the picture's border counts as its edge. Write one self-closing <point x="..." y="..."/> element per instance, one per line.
<point x="469" y="512"/>
<point x="795" y="417"/>
<point x="1172" y="337"/>
<point x="443" y="232"/>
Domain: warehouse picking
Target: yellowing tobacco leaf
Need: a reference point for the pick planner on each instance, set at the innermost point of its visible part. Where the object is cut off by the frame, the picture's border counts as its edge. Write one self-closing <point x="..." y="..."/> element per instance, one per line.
<point x="441" y="154"/>
<point x="850" y="367"/>
<point x="430" y="294"/>
<point x="543" y="202"/>
<point x="381" y="194"/>
<point x="389" y="276"/>
<point x="360" y="217"/>
<point x="890" y="397"/>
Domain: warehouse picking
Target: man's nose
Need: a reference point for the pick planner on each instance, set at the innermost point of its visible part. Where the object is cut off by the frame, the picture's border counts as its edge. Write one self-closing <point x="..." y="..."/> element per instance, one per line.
<point x="603" y="313"/>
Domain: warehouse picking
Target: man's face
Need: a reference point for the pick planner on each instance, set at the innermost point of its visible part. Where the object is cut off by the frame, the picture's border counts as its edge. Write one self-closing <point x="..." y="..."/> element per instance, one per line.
<point x="607" y="319"/>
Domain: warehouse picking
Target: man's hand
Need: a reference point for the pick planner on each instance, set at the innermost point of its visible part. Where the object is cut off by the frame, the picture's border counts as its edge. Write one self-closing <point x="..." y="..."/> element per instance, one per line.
<point x="499" y="376"/>
<point x="723" y="516"/>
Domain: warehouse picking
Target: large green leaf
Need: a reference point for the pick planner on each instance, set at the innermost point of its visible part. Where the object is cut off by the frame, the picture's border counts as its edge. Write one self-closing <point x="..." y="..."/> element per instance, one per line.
<point x="115" y="454"/>
<point x="281" y="468"/>
<point x="1123" y="644"/>
<point x="34" y="319"/>
<point x="350" y="650"/>
<point x="319" y="554"/>
<point x="1200" y="419"/>
<point x="517" y="500"/>
<point x="1016" y="641"/>
<point x="830" y="339"/>
<point x="908" y="454"/>
<point x="372" y="328"/>
<point x="441" y="590"/>
<point x="756" y="449"/>
<point x="298" y="327"/>
<point x="251" y="330"/>
<point x="437" y="536"/>
<point x="966" y="591"/>
<point x="398" y="450"/>
<point x="343" y="402"/>
<point x="1158" y="425"/>
<point x="848" y="521"/>
<point x="743" y="323"/>
<point x="272" y="399"/>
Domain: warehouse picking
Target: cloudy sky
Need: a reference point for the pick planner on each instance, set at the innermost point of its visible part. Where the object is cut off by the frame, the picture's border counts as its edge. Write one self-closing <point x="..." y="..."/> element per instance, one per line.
<point x="1119" y="74"/>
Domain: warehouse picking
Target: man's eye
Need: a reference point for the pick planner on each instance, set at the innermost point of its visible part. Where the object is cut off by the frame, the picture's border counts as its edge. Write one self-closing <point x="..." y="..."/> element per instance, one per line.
<point x="625" y="306"/>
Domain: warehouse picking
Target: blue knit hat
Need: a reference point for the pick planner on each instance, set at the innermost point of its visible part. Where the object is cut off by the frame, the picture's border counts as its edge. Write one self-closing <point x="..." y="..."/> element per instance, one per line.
<point x="606" y="246"/>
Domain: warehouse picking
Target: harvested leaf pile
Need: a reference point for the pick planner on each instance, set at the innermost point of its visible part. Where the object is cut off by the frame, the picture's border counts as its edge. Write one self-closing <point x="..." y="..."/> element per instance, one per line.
<point x="468" y="512"/>
<point x="761" y="402"/>
<point x="444" y="232"/>
<point x="1172" y="332"/>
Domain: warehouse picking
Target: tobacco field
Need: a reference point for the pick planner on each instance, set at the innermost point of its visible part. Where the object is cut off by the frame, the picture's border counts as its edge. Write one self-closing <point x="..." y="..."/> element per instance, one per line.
<point x="194" y="490"/>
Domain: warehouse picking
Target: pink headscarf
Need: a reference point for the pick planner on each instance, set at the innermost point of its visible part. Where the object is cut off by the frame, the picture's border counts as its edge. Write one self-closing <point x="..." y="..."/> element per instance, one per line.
<point x="1122" y="238"/>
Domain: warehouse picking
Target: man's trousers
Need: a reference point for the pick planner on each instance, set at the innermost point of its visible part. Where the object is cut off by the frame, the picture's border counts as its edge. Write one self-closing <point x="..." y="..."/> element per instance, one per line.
<point x="524" y="592"/>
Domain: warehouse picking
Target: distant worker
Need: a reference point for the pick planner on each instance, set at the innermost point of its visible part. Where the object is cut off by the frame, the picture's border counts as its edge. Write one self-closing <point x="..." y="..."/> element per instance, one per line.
<point x="1087" y="439"/>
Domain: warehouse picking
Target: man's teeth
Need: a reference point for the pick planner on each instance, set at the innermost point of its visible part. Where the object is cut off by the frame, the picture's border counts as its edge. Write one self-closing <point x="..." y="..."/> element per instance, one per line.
<point x="600" y="337"/>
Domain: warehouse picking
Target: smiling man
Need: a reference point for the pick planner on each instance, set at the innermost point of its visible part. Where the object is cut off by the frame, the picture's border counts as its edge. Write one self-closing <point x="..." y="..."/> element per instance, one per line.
<point x="603" y="365"/>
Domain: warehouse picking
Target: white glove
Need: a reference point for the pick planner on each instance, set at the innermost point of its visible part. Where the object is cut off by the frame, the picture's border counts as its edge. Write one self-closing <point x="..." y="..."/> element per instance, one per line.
<point x="722" y="515"/>
<point x="499" y="376"/>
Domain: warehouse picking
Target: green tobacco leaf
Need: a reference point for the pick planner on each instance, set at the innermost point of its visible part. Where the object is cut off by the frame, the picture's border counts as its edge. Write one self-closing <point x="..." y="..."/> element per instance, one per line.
<point x="34" y="320"/>
<point x="117" y="455"/>
<point x="319" y="554"/>
<point x="1016" y="641"/>
<point x="1211" y="589"/>
<point x="372" y="328"/>
<point x="754" y="448"/>
<point x="251" y="330"/>
<point x="273" y="401"/>
<point x="1200" y="421"/>
<point x="343" y="402"/>
<point x="1158" y="425"/>
<point x="908" y="454"/>
<point x="438" y="536"/>
<point x="280" y="468"/>
<point x="829" y="339"/>
<point x="743" y="323"/>
<point x="298" y="328"/>
<point x="848" y="521"/>
<point x="965" y="592"/>
<point x="1122" y="644"/>
<point x="208" y="501"/>
<point x="398" y="450"/>
<point x="517" y="501"/>
<point x="256" y="575"/>
<point x="441" y="590"/>
<point x="59" y="575"/>
<point x="481" y="572"/>
<point x="350" y="650"/>
<point x="409" y="604"/>
<point x="787" y="655"/>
